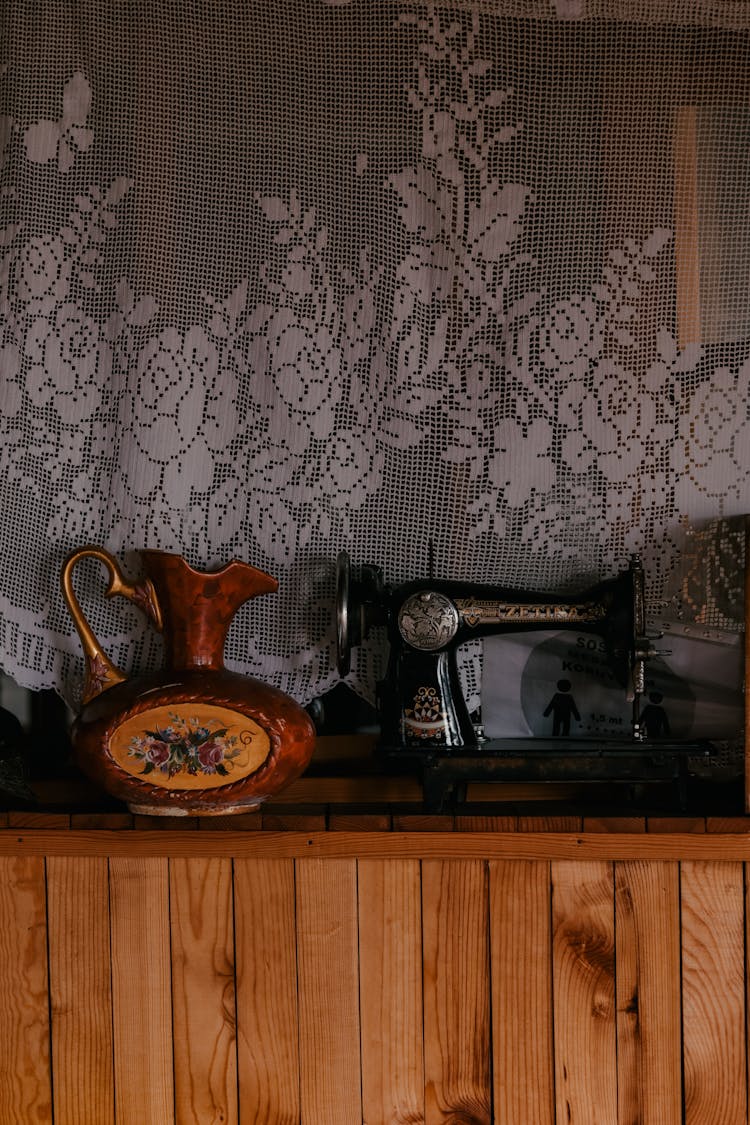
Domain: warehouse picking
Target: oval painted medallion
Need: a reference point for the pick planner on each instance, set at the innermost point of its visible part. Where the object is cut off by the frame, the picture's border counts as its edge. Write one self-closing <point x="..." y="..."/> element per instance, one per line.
<point x="189" y="746"/>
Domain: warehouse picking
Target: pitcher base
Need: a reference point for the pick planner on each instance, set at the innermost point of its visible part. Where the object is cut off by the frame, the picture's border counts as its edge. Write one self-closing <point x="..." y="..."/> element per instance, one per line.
<point x="225" y="810"/>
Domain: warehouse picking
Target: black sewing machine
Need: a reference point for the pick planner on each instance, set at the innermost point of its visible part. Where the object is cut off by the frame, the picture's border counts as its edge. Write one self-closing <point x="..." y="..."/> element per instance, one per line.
<point x="424" y="720"/>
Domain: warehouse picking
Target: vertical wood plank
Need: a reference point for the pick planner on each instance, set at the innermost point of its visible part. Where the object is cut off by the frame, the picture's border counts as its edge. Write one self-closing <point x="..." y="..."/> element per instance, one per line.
<point x="390" y="983"/>
<point x="520" y="972"/>
<point x="328" y="983"/>
<point x="648" y="993"/>
<point x="747" y="663"/>
<point x="266" y="957"/>
<point x="141" y="991"/>
<point x="687" y="252"/>
<point x="203" y="996"/>
<point x="25" y="1080"/>
<point x="80" y="989"/>
<point x="583" y="958"/>
<point x="456" y="991"/>
<point x="713" y="993"/>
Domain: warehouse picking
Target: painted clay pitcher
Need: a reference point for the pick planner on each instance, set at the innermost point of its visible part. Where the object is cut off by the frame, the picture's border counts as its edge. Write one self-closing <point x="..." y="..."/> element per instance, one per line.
<point x="193" y="739"/>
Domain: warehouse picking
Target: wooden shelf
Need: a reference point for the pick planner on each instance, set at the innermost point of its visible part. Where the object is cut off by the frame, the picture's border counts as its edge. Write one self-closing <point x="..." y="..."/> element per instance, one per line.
<point x="380" y="836"/>
<point x="347" y="790"/>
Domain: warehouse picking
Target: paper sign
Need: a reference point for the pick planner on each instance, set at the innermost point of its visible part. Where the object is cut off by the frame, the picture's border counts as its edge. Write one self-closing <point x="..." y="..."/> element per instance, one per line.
<point x="561" y="684"/>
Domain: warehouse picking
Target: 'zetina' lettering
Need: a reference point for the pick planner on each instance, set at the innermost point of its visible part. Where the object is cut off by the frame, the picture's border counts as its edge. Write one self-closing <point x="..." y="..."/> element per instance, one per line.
<point x="475" y="613"/>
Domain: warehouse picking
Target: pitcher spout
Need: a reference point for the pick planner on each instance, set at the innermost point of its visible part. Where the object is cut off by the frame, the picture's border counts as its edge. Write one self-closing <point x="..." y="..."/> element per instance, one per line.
<point x="198" y="607"/>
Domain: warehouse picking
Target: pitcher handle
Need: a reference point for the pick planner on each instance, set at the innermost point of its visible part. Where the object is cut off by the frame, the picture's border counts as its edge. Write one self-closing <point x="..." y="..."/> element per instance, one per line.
<point x="100" y="672"/>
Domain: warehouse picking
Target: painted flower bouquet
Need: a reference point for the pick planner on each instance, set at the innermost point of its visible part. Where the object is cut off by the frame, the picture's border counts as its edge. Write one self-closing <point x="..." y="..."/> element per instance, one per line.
<point x="185" y="746"/>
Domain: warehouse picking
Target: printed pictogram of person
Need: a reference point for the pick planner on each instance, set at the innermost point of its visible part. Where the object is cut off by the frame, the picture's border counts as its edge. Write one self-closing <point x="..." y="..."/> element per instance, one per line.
<point x="562" y="707"/>
<point x="654" y="718"/>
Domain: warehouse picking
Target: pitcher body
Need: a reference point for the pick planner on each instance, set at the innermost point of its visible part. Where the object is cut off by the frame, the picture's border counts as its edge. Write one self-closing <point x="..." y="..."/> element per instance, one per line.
<point x="193" y="739"/>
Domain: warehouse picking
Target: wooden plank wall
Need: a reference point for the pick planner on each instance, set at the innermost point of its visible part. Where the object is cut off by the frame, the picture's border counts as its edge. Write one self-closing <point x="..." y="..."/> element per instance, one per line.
<point x="380" y="990"/>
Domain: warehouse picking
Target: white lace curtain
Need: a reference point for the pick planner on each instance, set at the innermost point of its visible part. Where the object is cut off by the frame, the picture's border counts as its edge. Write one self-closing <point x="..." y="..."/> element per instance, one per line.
<point x="279" y="279"/>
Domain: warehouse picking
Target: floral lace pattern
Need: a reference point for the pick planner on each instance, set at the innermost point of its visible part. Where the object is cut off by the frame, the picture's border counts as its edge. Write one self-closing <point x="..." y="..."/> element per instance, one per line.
<point x="397" y="347"/>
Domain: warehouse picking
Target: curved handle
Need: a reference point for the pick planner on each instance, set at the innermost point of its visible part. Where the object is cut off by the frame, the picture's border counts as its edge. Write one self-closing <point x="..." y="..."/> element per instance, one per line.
<point x="101" y="673"/>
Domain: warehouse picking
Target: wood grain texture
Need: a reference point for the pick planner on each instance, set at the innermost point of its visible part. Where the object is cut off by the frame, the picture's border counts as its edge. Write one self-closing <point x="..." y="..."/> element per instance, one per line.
<point x="456" y="992"/>
<point x="477" y="823"/>
<point x="349" y="790"/>
<point x="576" y="846"/>
<point x="390" y="986"/>
<point x="360" y="822"/>
<point x="515" y="949"/>
<point x="203" y="993"/>
<point x="614" y="824"/>
<point x="36" y="820"/>
<point x="549" y="824"/>
<point x="520" y="960"/>
<point x="583" y="957"/>
<point x="293" y="820"/>
<point x="110" y="821"/>
<point x="328" y="982"/>
<point x="728" y="823"/>
<point x="713" y="994"/>
<point x="423" y="822"/>
<point x="266" y="960"/>
<point x="679" y="824"/>
<point x="25" y="1078"/>
<point x="747" y="663"/>
<point x="143" y="823"/>
<point x="80" y="990"/>
<point x="508" y="794"/>
<point x="687" y="226"/>
<point x="141" y="991"/>
<point x="232" y="822"/>
<point x="648" y="994"/>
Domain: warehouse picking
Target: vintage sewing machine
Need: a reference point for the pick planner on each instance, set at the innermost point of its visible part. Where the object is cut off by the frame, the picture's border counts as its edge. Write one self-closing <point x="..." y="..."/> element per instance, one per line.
<point x="424" y="720"/>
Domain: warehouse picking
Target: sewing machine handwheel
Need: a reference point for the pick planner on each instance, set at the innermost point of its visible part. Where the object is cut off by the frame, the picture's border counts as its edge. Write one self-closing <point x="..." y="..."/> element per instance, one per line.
<point x="360" y="604"/>
<point x="343" y="626"/>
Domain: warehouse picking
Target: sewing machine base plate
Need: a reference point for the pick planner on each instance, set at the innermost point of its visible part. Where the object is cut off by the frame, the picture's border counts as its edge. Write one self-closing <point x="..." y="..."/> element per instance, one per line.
<point x="446" y="772"/>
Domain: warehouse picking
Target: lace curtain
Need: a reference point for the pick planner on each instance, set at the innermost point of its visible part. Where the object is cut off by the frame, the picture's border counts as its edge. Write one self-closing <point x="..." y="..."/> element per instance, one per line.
<point x="279" y="279"/>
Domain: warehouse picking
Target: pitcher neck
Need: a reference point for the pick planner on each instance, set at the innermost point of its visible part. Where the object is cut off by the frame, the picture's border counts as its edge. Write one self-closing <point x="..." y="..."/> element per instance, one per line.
<point x="193" y="640"/>
<point x="198" y="608"/>
<point x="195" y="628"/>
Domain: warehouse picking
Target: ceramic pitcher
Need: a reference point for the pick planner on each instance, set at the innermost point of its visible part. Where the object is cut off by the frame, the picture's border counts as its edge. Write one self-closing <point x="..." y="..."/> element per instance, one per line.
<point x="193" y="739"/>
